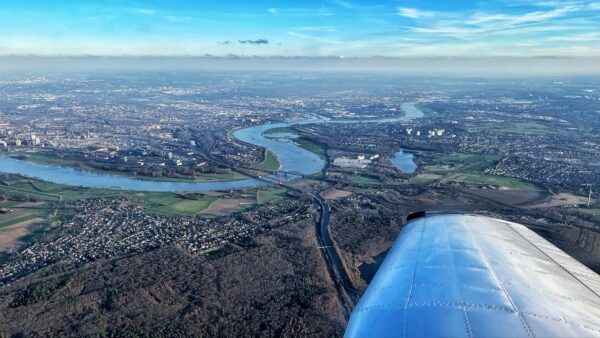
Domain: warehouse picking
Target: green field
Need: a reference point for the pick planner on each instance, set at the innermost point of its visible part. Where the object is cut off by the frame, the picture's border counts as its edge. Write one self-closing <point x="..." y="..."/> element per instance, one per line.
<point x="527" y="128"/>
<point x="593" y="211"/>
<point x="314" y="147"/>
<point x="302" y="142"/>
<point x="280" y="131"/>
<point x="365" y="180"/>
<point x="8" y="204"/>
<point x="158" y="202"/>
<point x="461" y="158"/>
<point x="463" y="162"/>
<point x="499" y="181"/>
<point x="440" y="169"/>
<point x="50" y="192"/>
<point x="483" y="164"/>
<point x="270" y="163"/>
<point x="174" y="204"/>
<point x="269" y="195"/>
<point x="30" y="216"/>
<point x="46" y="159"/>
<point x="518" y="128"/>
<point x="17" y="212"/>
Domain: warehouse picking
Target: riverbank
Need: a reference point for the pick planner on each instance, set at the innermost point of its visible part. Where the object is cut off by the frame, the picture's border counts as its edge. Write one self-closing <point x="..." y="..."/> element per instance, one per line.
<point x="46" y="159"/>
<point x="292" y="135"/>
<point x="271" y="162"/>
<point x="52" y="195"/>
<point x="303" y="159"/>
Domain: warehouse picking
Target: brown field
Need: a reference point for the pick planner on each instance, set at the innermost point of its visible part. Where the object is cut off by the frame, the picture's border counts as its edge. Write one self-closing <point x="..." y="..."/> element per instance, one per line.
<point x="225" y="206"/>
<point x="11" y="216"/>
<point x="306" y="183"/>
<point x="560" y="199"/>
<point x="9" y="235"/>
<point x="429" y="176"/>
<point x="29" y="205"/>
<point x="334" y="194"/>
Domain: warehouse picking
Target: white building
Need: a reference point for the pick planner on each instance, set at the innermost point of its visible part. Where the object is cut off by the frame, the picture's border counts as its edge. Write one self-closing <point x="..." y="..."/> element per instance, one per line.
<point x="345" y="162"/>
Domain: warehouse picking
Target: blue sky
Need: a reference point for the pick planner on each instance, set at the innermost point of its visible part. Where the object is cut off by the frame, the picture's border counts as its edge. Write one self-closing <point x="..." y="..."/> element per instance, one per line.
<point x="301" y="28"/>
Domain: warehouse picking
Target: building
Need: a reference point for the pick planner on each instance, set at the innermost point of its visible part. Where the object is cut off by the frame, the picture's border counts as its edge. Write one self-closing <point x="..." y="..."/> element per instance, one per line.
<point x="345" y="162"/>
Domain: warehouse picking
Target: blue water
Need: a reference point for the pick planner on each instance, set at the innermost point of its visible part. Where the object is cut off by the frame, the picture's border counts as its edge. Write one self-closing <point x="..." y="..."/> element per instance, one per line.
<point x="75" y="177"/>
<point x="291" y="156"/>
<point x="404" y="161"/>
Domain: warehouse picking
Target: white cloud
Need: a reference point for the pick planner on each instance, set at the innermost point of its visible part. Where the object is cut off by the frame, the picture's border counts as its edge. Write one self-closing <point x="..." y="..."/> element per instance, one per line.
<point x="448" y="30"/>
<point x="178" y="19"/>
<point x="594" y="6"/>
<point x="145" y="11"/>
<point x="316" y="38"/>
<point x="499" y="21"/>
<point x="579" y="37"/>
<point x="483" y="23"/>
<point x="272" y="10"/>
<point x="414" y="13"/>
<point x="328" y="29"/>
<point x="343" y="4"/>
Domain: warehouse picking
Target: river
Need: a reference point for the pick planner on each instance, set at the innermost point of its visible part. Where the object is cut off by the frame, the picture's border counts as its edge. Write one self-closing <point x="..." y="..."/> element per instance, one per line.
<point x="292" y="158"/>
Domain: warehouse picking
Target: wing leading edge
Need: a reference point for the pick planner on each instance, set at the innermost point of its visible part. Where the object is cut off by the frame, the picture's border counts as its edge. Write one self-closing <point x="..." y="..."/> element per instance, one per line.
<point x="475" y="276"/>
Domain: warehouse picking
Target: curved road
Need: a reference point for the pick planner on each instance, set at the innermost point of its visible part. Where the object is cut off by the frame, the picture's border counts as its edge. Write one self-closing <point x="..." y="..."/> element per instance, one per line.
<point x="347" y="294"/>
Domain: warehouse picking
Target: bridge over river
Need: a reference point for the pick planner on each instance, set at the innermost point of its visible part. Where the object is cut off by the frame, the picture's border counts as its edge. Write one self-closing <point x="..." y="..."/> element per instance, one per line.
<point x="293" y="159"/>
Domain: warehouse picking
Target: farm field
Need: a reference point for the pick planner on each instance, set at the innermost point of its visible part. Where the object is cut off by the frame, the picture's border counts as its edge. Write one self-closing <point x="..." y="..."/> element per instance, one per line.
<point x="365" y="180"/>
<point x="226" y="206"/>
<point x="496" y="181"/>
<point x="269" y="195"/>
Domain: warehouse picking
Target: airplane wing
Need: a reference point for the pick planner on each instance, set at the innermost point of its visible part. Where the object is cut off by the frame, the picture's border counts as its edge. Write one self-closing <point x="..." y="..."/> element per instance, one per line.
<point x="455" y="275"/>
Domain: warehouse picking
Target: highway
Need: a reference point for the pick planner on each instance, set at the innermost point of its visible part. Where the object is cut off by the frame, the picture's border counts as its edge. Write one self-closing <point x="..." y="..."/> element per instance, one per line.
<point x="347" y="294"/>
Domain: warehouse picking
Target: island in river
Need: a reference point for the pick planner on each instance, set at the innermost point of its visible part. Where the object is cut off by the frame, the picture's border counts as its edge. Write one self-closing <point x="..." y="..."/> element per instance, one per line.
<point x="292" y="158"/>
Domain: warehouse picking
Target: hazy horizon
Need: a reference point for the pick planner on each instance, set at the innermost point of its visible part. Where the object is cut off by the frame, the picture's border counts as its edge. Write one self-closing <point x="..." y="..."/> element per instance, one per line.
<point x="429" y="66"/>
<point x="492" y="38"/>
